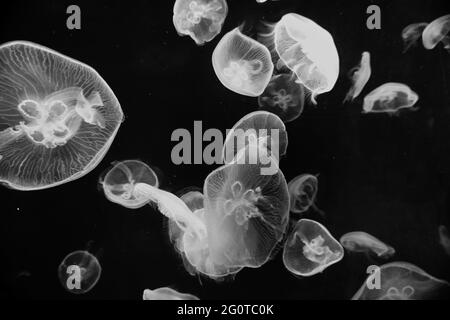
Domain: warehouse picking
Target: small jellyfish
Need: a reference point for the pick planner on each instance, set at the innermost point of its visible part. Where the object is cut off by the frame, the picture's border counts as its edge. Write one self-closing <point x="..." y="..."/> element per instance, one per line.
<point x="118" y="184"/>
<point x="284" y="97"/>
<point x="437" y="32"/>
<point x="401" y="281"/>
<point x="390" y="98"/>
<point x="359" y="241"/>
<point x="166" y="294"/>
<point x="310" y="249"/>
<point x="58" y="117"/>
<point x="79" y="272"/>
<point x="202" y="20"/>
<point x="444" y="239"/>
<point x="242" y="64"/>
<point x="193" y="199"/>
<point x="359" y="76"/>
<point x="412" y="33"/>
<point x="303" y="192"/>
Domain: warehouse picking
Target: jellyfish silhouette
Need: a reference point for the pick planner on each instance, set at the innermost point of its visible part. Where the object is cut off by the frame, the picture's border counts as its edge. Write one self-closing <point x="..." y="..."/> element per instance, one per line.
<point x="359" y="241"/>
<point x="58" y="117"/>
<point x="444" y="239"/>
<point x="303" y="192"/>
<point x="359" y="76"/>
<point x="390" y="98"/>
<point x="166" y="294"/>
<point x="436" y="32"/>
<point x="412" y="33"/>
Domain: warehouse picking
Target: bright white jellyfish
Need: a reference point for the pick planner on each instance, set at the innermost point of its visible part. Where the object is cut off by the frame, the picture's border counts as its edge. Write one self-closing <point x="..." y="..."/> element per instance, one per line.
<point x="58" y="117"/>
<point x="359" y="76"/>
<point x="309" y="51"/>
<point x="202" y="20"/>
<point x="437" y="32"/>
<point x="359" y="241"/>
<point x="303" y="192"/>
<point x="389" y="98"/>
<point x="242" y="64"/>
<point x="166" y="293"/>
<point x="310" y="249"/>
<point x="411" y="34"/>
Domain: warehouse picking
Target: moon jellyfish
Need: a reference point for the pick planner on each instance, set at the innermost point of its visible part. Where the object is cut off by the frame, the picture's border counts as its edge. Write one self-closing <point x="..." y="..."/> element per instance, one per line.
<point x="359" y="75"/>
<point x="359" y="241"/>
<point x="284" y="97"/>
<point x="401" y="281"/>
<point x="242" y="64"/>
<point x="308" y="50"/>
<point x="118" y="184"/>
<point x="202" y="20"/>
<point x="389" y="98"/>
<point x="412" y="33"/>
<point x="79" y="272"/>
<point x="166" y="294"/>
<point x="437" y="32"/>
<point x="444" y="239"/>
<point x="58" y="117"/>
<point x="310" y="249"/>
<point x="303" y="192"/>
<point x="193" y="199"/>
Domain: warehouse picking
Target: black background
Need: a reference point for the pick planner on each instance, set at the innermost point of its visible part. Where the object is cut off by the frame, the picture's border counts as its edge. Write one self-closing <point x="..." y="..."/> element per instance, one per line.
<point x="388" y="176"/>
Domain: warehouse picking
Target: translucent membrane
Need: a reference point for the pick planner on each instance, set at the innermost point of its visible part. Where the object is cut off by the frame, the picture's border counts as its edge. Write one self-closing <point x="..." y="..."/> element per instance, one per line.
<point x="166" y="294"/>
<point x="359" y="76"/>
<point x="359" y="241"/>
<point x="303" y="192"/>
<point x="412" y="33"/>
<point x="444" y="239"/>
<point x="436" y="32"/>
<point x="390" y="98"/>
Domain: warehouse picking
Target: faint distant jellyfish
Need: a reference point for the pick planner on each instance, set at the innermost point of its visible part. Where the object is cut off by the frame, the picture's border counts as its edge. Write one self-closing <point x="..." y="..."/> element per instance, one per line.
<point x="58" y="117"/>
<point x="389" y="98"/>
<point x="79" y="272"/>
<point x="310" y="248"/>
<point x="359" y="75"/>
<point x="402" y="281"/>
<point x="303" y="192"/>
<point x="202" y="20"/>
<point x="436" y="32"/>
<point x="118" y="184"/>
<point x="412" y="33"/>
<point x="193" y="199"/>
<point x="242" y="64"/>
<point x="444" y="239"/>
<point x="166" y="294"/>
<point x="359" y="241"/>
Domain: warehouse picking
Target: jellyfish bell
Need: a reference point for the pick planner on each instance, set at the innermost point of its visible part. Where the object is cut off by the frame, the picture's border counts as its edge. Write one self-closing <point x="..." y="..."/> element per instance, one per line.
<point x="303" y="192"/>
<point x="359" y="241"/>
<point x="411" y="34"/>
<point x="166" y="293"/>
<point x="359" y="76"/>
<point x="390" y="98"/>
<point x="58" y="117"/>
<point x="436" y="32"/>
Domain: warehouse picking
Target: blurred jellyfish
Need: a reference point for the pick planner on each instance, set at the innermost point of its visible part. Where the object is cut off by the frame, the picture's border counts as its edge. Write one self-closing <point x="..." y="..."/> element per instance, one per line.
<point x="401" y="281"/>
<point x="437" y="32"/>
<point x="166" y="294"/>
<point x="242" y="64"/>
<point x="389" y="98"/>
<point x="303" y="192"/>
<point x="284" y="97"/>
<point x="412" y="33"/>
<point x="444" y="239"/>
<point x="193" y="199"/>
<point x="310" y="249"/>
<point x="79" y="272"/>
<point x="359" y="75"/>
<point x="202" y="20"/>
<point x="118" y="184"/>
<point x="359" y="241"/>
<point x="58" y="117"/>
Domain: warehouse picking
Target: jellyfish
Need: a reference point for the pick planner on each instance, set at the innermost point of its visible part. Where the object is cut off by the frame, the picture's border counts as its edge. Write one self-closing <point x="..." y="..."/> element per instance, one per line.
<point x="437" y="32"/>
<point x="444" y="239"/>
<point x="284" y="97"/>
<point x="202" y="20"/>
<point x="79" y="272"/>
<point x="310" y="249"/>
<point x="303" y="192"/>
<point x="165" y="293"/>
<point x="58" y="117"/>
<point x="401" y="281"/>
<point x="242" y="64"/>
<point x="390" y="98"/>
<point x="359" y="75"/>
<point x="412" y="33"/>
<point x="359" y="241"/>
<point x="118" y="184"/>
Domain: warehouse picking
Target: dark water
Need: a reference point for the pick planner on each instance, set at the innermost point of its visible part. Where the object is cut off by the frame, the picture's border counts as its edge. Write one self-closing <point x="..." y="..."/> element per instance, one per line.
<point x="388" y="176"/>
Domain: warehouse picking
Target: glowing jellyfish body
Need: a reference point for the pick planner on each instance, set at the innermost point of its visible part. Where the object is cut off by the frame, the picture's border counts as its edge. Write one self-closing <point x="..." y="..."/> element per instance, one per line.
<point x="412" y="33"/>
<point x="310" y="249"/>
<point x="359" y="75"/>
<point x="436" y="32"/>
<point x="389" y="98"/>
<point x="242" y="64"/>
<point x="309" y="51"/>
<point x="79" y="272"/>
<point x="303" y="192"/>
<point x="359" y="241"/>
<point x="283" y="97"/>
<point x="202" y="20"/>
<point x="58" y="117"/>
<point x="444" y="239"/>
<point x="401" y="281"/>
<point x="166" y="294"/>
<point x="118" y="184"/>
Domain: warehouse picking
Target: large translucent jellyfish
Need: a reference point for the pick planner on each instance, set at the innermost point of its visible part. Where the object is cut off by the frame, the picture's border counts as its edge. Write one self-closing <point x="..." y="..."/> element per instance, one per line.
<point x="444" y="238"/>
<point x="166" y="294"/>
<point x="58" y="117"/>
<point x="284" y="97"/>
<point x="310" y="249"/>
<point x="359" y="76"/>
<point x="389" y="98"/>
<point x="79" y="272"/>
<point x="202" y="20"/>
<point x="359" y="241"/>
<point x="118" y="184"/>
<point x="303" y="192"/>
<point x="242" y="64"/>
<point x="437" y="32"/>
<point x="412" y="33"/>
<point x="402" y="281"/>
